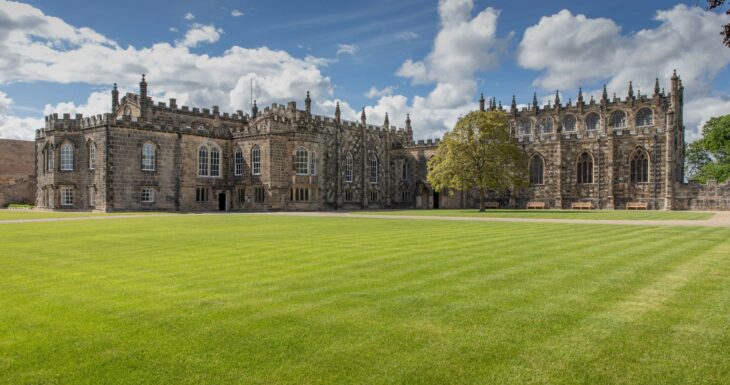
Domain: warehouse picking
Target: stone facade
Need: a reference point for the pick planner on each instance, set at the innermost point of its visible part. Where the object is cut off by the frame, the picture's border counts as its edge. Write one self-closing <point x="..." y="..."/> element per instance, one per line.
<point x="17" y="172"/>
<point x="146" y="156"/>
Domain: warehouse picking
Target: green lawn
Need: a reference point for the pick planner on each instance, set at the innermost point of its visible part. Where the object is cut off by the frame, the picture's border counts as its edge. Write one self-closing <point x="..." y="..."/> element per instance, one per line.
<point x="36" y="214"/>
<point x="552" y="214"/>
<point x="299" y="300"/>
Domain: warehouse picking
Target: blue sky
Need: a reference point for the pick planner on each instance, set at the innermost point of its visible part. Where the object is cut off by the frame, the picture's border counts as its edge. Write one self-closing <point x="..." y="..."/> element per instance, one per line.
<point x="341" y="50"/>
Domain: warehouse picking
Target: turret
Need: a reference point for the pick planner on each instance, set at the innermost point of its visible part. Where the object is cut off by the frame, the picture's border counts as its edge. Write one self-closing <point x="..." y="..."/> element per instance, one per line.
<point x="534" y="102"/>
<point x="115" y="98"/>
<point x="481" y="103"/>
<point x="254" y="110"/>
<point x="409" y="129"/>
<point x="337" y="112"/>
<point x="308" y="104"/>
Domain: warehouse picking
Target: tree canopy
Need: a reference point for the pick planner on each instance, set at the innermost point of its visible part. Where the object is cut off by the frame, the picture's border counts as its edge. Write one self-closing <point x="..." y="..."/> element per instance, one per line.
<point x="479" y="153"/>
<point x="709" y="157"/>
<point x="712" y="4"/>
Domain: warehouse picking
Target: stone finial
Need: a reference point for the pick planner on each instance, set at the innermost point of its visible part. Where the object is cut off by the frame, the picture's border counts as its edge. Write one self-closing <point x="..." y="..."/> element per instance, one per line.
<point x="674" y="75"/>
<point x="580" y="95"/>
<point x="657" y="90"/>
<point x="481" y="103"/>
<point x="143" y="97"/>
<point x="254" y="110"/>
<point x="337" y="112"/>
<point x="557" y="98"/>
<point x="513" y="106"/>
<point x="408" y="122"/>
<point x="386" y="123"/>
<point x="534" y="101"/>
<point x="500" y="106"/>
<point x="604" y="98"/>
<point x="363" y="118"/>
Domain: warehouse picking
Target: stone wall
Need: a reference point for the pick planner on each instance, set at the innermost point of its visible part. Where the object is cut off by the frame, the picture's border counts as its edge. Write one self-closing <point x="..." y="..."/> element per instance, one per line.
<point x="709" y="196"/>
<point x="17" y="172"/>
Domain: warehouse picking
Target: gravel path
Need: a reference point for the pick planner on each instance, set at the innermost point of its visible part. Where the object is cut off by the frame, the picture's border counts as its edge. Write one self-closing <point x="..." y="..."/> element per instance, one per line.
<point x="720" y="219"/>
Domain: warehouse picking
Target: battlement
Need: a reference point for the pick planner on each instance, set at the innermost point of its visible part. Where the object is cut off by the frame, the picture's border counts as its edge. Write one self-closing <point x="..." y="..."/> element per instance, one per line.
<point x="78" y="122"/>
<point x="425" y="143"/>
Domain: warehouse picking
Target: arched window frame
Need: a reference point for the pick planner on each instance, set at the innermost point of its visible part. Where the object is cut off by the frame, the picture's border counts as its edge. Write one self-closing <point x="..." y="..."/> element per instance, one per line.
<point x="238" y="162"/>
<point x="639" y="166"/>
<point x="593" y="121"/>
<point x="584" y="168"/>
<point x="546" y="125"/>
<point x="50" y="157"/>
<point x="349" y="166"/>
<point x="67" y="157"/>
<point x="92" y="155"/>
<point x="537" y="170"/>
<point x="524" y="127"/>
<point x="618" y="119"/>
<point x="373" y="169"/>
<point x="203" y="166"/>
<point x="301" y="161"/>
<point x="256" y="160"/>
<point x="406" y="171"/>
<point x="569" y="123"/>
<point x="645" y="117"/>
<point x="149" y="151"/>
<point x="313" y="163"/>
<point x="215" y="161"/>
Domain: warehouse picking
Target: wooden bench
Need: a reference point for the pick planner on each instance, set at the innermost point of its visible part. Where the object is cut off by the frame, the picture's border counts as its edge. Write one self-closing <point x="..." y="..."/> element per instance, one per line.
<point x="637" y="206"/>
<point x="491" y="205"/>
<point x="582" y="206"/>
<point x="536" y="205"/>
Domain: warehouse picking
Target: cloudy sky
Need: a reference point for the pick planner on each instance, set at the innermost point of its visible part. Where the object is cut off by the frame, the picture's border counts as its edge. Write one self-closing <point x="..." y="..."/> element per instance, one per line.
<point x="427" y="57"/>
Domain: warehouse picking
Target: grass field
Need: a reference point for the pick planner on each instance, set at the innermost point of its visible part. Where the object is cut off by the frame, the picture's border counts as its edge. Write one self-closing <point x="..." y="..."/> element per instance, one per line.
<point x="6" y="215"/>
<point x="552" y="214"/>
<point x="300" y="300"/>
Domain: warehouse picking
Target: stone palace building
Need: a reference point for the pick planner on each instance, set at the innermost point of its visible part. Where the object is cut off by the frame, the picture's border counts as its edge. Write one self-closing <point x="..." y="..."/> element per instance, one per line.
<point x="147" y="156"/>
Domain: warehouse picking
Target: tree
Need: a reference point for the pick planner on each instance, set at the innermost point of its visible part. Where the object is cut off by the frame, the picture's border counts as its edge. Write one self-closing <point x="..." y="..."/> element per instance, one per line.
<point x="479" y="153"/>
<point x="712" y="4"/>
<point x="709" y="157"/>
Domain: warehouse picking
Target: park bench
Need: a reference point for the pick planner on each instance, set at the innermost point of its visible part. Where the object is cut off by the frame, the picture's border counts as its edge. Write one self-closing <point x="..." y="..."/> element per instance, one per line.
<point x="536" y="205"/>
<point x="582" y="206"/>
<point x="491" y="205"/>
<point x="637" y="206"/>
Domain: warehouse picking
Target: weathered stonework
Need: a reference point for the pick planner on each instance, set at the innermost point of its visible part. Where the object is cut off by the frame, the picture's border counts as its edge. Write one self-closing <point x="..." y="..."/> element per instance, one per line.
<point x="17" y="172"/>
<point x="388" y="169"/>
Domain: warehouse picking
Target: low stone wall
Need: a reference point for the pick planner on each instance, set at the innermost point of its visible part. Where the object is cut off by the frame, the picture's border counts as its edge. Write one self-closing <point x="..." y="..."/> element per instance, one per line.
<point x="17" y="171"/>
<point x="697" y="196"/>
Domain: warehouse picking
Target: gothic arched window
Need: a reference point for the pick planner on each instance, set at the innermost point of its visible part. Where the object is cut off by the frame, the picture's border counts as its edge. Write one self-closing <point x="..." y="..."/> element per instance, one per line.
<point x="585" y="168"/>
<point x="640" y="167"/>
<point x="546" y="125"/>
<point x="645" y="117"/>
<point x="92" y="155"/>
<point x="238" y="162"/>
<point x="203" y="161"/>
<point x="524" y="127"/>
<point x="373" y="169"/>
<point x="348" y="168"/>
<point x="618" y="119"/>
<point x="313" y="163"/>
<point x="406" y="171"/>
<point x="301" y="161"/>
<point x="593" y="121"/>
<point x="537" y="169"/>
<point x="215" y="161"/>
<point x="67" y="157"/>
<point x="569" y="123"/>
<point x="256" y="160"/>
<point x="148" y="157"/>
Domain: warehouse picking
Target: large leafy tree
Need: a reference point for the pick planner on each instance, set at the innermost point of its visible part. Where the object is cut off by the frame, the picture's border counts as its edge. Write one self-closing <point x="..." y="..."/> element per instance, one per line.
<point x="479" y="153"/>
<point x="712" y="4"/>
<point x="709" y="157"/>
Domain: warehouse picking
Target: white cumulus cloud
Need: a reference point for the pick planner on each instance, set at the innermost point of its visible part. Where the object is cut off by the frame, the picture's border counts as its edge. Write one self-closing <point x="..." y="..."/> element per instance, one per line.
<point x="199" y="33"/>
<point x="374" y="92"/>
<point x="189" y="16"/>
